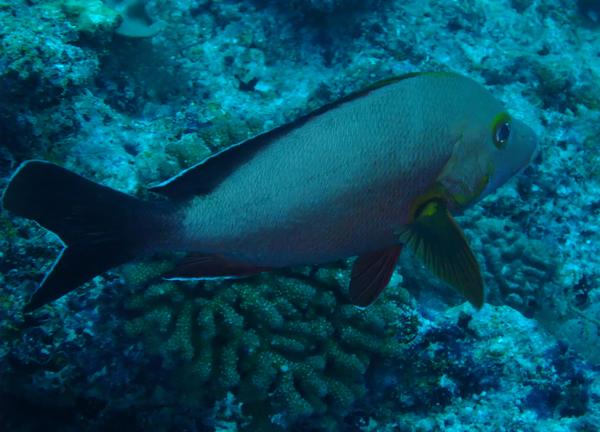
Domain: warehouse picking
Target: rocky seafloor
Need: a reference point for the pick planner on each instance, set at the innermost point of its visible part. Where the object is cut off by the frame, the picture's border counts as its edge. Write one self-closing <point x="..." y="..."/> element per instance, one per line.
<point x="129" y="93"/>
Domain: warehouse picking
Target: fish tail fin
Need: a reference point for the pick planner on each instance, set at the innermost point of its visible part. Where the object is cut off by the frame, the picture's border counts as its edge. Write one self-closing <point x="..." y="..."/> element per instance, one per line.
<point x="99" y="226"/>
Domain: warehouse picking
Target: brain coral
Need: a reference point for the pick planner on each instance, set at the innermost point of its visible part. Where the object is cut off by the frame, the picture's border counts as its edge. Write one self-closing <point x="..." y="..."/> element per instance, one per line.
<point x="289" y="345"/>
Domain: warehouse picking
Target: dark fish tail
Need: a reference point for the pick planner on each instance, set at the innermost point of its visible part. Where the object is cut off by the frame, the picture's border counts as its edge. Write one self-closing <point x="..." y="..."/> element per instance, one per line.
<point x="100" y="227"/>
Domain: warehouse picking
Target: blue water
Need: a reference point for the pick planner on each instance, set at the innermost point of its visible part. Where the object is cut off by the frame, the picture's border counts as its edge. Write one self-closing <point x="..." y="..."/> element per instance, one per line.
<point x="130" y="93"/>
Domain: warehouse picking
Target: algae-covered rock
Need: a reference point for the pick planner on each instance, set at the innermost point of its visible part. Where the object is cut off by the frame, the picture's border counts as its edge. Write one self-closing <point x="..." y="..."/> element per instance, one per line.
<point x="42" y="67"/>
<point x="38" y="59"/>
<point x="491" y="370"/>
<point x="91" y="17"/>
<point x="99" y="19"/>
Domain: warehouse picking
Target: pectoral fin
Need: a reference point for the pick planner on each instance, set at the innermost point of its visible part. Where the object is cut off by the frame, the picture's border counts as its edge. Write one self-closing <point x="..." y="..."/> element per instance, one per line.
<point x="371" y="274"/>
<point x="439" y="242"/>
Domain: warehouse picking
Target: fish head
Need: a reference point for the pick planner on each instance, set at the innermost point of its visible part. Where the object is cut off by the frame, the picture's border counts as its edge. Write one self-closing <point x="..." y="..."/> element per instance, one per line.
<point x="511" y="155"/>
<point x="490" y="147"/>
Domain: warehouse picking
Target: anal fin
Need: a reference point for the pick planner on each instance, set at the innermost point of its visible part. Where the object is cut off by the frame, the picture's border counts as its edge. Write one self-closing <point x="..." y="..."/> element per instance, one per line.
<point x="201" y="266"/>
<point x="371" y="273"/>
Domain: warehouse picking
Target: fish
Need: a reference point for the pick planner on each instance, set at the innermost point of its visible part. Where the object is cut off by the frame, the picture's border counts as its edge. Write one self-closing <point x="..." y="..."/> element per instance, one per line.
<point x="379" y="170"/>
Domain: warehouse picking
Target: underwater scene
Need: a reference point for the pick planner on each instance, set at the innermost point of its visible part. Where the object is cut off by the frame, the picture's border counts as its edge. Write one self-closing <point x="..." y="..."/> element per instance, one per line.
<point x="301" y="215"/>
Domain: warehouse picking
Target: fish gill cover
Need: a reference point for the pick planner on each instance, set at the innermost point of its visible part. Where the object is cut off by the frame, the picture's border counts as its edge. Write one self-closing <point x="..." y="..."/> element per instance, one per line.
<point x="287" y="350"/>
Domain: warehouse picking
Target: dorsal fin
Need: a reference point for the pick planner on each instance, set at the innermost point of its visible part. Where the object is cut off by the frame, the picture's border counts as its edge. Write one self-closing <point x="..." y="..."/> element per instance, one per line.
<point x="202" y="178"/>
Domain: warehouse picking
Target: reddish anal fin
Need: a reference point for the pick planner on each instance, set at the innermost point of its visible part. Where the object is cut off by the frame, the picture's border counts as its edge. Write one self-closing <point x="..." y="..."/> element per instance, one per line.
<point x="371" y="274"/>
<point x="199" y="266"/>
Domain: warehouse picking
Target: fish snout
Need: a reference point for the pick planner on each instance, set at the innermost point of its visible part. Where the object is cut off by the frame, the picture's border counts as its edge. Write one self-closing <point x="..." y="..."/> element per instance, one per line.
<point x="509" y="161"/>
<point x="525" y="145"/>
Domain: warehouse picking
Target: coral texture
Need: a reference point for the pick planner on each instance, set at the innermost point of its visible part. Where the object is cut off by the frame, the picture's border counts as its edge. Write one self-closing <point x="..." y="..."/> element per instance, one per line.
<point x="288" y="346"/>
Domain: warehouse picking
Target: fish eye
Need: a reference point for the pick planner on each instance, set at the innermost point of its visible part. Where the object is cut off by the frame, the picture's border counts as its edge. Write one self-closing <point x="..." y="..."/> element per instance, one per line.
<point x="502" y="134"/>
<point x="501" y="130"/>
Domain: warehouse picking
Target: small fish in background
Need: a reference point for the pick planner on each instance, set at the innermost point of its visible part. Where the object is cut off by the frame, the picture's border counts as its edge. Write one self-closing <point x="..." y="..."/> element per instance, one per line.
<point x="379" y="169"/>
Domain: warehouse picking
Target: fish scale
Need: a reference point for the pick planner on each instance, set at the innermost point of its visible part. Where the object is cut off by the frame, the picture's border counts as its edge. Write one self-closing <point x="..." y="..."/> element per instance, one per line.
<point x="332" y="187"/>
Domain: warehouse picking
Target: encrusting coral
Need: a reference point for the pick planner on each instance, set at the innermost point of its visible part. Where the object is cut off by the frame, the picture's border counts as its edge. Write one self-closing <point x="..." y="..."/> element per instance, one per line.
<point x="290" y="346"/>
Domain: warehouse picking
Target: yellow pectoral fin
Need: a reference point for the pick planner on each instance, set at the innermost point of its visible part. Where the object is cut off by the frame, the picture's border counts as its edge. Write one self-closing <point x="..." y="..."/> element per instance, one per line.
<point x="438" y="241"/>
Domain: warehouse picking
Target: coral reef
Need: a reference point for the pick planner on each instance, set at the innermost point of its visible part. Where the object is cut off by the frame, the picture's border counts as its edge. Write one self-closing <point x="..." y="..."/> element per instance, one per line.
<point x="131" y="351"/>
<point x="493" y="370"/>
<point x="288" y="346"/>
<point x="40" y="68"/>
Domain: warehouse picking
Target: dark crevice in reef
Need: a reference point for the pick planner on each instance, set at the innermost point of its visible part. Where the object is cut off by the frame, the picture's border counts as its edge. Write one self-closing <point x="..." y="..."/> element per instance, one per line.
<point x="27" y="414"/>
